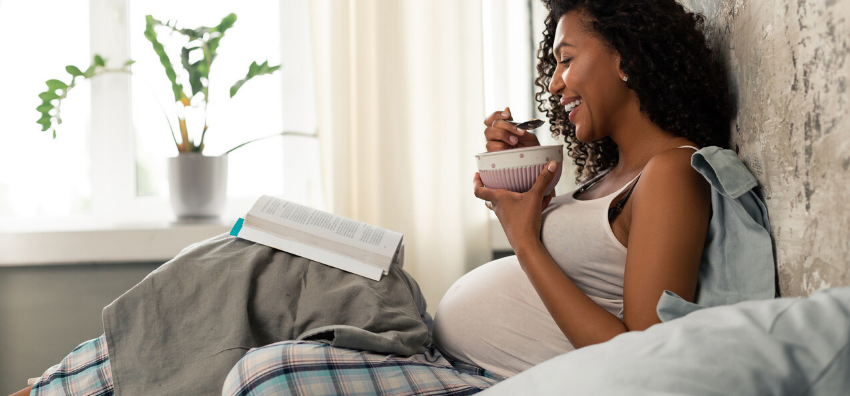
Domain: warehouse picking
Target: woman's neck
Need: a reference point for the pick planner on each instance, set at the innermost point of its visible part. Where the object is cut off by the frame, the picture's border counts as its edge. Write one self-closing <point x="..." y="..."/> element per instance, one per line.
<point x="638" y="142"/>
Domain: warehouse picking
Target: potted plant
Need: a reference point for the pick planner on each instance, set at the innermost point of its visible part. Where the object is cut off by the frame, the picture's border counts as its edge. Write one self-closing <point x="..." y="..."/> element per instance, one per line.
<point x="198" y="183"/>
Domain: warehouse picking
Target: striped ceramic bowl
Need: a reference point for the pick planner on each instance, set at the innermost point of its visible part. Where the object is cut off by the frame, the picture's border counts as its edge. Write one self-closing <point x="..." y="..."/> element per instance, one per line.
<point x="518" y="169"/>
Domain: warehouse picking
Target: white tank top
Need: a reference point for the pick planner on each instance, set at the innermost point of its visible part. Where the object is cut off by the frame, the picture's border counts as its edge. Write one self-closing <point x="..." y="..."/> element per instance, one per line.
<point x="492" y="316"/>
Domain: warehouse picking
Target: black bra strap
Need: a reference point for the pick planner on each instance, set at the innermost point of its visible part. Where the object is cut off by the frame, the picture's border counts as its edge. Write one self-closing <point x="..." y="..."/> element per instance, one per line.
<point x="616" y="209"/>
<point x="590" y="183"/>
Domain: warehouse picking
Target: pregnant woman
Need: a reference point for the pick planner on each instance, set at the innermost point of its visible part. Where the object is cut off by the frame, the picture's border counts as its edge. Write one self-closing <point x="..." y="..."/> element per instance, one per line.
<point x="653" y="228"/>
<point x="635" y="92"/>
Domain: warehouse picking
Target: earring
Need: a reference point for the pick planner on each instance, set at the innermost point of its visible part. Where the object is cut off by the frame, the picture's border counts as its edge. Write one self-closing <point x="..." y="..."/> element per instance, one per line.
<point x="625" y="78"/>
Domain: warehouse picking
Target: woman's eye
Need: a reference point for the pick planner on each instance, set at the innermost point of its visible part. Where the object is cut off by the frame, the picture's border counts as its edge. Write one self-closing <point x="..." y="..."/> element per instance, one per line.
<point x="565" y="61"/>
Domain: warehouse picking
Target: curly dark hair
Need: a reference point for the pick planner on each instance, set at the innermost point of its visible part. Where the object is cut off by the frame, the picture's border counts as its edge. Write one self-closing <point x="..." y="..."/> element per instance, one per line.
<point x="680" y="82"/>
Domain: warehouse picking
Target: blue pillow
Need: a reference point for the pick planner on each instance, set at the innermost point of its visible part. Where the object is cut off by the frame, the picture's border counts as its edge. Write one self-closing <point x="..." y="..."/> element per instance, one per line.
<point x="787" y="346"/>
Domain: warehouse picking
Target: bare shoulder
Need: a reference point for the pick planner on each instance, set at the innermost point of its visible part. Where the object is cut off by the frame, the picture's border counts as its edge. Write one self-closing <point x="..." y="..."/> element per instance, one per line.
<point x="669" y="177"/>
<point x="672" y="162"/>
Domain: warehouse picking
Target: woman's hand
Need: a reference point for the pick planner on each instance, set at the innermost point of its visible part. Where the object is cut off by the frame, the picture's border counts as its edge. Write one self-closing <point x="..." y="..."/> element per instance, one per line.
<point x="502" y="135"/>
<point x="519" y="213"/>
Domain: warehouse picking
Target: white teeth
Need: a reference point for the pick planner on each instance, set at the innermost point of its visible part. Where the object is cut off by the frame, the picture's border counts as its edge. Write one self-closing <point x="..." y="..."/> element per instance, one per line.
<point x="570" y="106"/>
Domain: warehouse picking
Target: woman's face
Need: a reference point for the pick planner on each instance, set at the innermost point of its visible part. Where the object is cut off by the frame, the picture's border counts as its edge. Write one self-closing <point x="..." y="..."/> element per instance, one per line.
<point x="588" y="70"/>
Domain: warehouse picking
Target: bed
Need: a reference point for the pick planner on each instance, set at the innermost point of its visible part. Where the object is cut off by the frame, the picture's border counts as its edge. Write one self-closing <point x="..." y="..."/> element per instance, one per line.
<point x="786" y="346"/>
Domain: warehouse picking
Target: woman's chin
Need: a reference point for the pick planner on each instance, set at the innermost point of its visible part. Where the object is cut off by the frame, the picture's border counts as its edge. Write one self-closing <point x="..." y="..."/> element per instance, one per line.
<point x="582" y="136"/>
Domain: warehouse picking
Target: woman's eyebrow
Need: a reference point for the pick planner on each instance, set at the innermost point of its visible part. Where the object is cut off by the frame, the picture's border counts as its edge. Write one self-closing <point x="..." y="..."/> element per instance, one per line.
<point x="561" y="44"/>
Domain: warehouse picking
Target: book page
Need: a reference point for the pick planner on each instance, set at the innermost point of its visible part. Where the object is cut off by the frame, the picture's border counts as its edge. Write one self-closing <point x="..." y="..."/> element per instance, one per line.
<point x="328" y="226"/>
<point x="328" y="258"/>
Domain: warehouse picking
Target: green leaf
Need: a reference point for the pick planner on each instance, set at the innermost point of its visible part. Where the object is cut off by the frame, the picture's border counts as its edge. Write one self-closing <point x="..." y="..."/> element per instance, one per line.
<point x="54" y="134"/>
<point x="98" y="61"/>
<point x="56" y="84"/>
<point x="73" y="70"/>
<point x="212" y="45"/>
<point x="253" y="71"/>
<point x="209" y="57"/>
<point x="89" y="73"/>
<point x="44" y="110"/>
<point x="48" y="96"/>
<point x="192" y="68"/>
<point x="226" y="23"/>
<point x="195" y="34"/>
<point x="129" y="62"/>
<point x="150" y="34"/>
<point x="151" y="21"/>
<point x="202" y="68"/>
<point x="45" y="122"/>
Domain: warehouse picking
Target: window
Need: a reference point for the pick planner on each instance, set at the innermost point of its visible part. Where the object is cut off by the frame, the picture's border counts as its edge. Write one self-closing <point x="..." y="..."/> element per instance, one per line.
<point x="108" y="162"/>
<point x="41" y="176"/>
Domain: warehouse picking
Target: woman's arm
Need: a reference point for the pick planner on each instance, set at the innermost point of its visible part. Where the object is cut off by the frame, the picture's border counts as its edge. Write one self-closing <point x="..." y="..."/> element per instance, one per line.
<point x="669" y="222"/>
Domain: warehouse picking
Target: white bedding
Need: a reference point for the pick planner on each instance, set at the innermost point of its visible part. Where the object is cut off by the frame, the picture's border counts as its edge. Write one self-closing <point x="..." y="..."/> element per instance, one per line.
<point x="788" y="346"/>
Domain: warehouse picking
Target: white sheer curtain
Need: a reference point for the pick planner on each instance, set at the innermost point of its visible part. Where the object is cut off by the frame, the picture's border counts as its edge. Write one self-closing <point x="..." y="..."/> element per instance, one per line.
<point x="400" y="109"/>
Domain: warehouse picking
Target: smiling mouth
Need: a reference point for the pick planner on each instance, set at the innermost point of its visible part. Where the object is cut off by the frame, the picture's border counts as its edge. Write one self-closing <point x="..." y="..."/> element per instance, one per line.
<point x="572" y="105"/>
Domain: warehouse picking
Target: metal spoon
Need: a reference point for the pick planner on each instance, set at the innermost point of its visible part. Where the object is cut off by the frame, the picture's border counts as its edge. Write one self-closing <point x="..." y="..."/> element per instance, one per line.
<point x="527" y="125"/>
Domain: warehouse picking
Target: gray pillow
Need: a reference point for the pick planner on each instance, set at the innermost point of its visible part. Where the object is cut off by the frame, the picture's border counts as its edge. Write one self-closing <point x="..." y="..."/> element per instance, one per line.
<point x="787" y="346"/>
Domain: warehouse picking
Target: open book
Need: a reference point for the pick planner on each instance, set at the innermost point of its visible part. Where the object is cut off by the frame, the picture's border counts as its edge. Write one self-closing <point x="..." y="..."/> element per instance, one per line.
<point x="336" y="241"/>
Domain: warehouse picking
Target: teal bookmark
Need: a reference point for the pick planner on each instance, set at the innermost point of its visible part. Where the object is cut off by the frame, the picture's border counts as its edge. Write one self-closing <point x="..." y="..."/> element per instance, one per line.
<point x="237" y="227"/>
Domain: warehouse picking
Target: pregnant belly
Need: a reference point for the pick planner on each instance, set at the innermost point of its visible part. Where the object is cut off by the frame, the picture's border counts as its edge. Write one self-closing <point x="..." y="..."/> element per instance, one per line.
<point x="492" y="317"/>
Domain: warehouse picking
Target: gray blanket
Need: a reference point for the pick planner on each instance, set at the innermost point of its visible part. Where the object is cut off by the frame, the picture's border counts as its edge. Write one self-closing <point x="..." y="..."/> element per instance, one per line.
<point x="182" y="328"/>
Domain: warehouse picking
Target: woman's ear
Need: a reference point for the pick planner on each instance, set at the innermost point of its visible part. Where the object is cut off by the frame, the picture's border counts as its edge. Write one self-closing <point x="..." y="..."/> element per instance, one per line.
<point x="616" y="59"/>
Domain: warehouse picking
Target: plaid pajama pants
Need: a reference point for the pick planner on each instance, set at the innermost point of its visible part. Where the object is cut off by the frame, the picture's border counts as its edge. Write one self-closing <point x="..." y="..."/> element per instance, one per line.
<point x="311" y="368"/>
<point x="84" y="372"/>
<point x="291" y="368"/>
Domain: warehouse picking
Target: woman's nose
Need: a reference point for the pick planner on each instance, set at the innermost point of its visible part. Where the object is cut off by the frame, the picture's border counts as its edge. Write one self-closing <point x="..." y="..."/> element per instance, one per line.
<point x="556" y="84"/>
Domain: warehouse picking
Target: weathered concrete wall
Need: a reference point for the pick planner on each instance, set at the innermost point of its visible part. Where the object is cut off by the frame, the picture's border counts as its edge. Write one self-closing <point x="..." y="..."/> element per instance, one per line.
<point x="789" y="68"/>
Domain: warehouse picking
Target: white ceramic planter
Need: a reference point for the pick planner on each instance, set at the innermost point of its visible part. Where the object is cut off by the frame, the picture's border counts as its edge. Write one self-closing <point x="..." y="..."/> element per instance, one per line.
<point x="198" y="185"/>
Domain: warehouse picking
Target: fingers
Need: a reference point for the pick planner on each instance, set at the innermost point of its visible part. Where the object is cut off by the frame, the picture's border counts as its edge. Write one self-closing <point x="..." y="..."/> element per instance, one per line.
<point x="507" y="126"/>
<point x="496" y="145"/>
<point x="480" y="191"/>
<point x="502" y="135"/>
<point x="492" y="133"/>
<point x="497" y="121"/>
<point x="545" y="177"/>
<point x="548" y="199"/>
<point x="498" y="115"/>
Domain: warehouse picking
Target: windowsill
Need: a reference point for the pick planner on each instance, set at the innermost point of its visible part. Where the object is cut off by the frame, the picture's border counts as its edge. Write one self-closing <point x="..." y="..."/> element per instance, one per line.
<point x="101" y="242"/>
